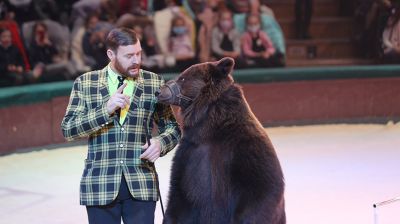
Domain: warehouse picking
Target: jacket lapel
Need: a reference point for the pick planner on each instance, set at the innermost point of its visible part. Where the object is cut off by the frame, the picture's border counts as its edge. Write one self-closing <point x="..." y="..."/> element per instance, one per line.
<point x="103" y="88"/>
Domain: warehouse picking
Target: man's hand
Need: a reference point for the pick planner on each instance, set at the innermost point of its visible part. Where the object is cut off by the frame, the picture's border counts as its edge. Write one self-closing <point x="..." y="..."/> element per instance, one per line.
<point x="153" y="152"/>
<point x="118" y="100"/>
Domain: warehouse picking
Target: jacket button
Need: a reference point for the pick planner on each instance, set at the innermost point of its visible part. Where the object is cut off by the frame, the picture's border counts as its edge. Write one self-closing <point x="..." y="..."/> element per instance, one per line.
<point x="121" y="145"/>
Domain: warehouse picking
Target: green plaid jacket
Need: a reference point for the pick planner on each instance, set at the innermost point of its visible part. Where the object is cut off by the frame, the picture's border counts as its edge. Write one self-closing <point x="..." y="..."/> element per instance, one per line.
<point x="114" y="149"/>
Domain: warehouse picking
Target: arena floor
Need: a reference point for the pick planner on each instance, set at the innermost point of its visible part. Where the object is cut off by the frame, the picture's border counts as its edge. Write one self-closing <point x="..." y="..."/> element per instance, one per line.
<point x="334" y="174"/>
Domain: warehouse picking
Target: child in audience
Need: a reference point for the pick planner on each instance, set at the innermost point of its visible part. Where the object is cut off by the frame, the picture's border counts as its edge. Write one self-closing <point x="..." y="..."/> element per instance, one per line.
<point x="257" y="47"/>
<point x="225" y="40"/>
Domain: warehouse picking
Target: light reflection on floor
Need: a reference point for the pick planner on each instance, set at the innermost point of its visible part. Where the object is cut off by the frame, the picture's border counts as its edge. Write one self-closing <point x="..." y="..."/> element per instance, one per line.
<point x="334" y="173"/>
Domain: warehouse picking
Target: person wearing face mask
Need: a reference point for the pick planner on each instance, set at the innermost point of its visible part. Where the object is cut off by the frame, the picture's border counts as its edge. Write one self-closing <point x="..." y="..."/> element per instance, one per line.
<point x="225" y="40"/>
<point x="257" y="47"/>
<point x="180" y="45"/>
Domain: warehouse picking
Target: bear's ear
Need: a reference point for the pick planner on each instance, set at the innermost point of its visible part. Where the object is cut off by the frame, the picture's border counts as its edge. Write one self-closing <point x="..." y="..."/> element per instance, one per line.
<point x="225" y="66"/>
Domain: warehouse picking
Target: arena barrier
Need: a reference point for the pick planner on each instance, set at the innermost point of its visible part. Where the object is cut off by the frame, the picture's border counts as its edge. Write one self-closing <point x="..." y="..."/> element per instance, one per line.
<point x="30" y="116"/>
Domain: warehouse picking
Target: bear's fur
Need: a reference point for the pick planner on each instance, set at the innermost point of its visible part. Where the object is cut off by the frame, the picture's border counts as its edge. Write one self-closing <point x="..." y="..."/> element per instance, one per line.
<point x="225" y="169"/>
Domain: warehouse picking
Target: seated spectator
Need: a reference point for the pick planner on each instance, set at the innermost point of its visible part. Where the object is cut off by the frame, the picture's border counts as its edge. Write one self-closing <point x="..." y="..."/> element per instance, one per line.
<point x="93" y="42"/>
<point x="391" y="38"/>
<point x="152" y="58"/>
<point x="225" y="41"/>
<point x="268" y="22"/>
<point x="163" y="20"/>
<point x="204" y="13"/>
<point x="12" y="70"/>
<point x="257" y="47"/>
<point x="43" y="53"/>
<point x="180" y="45"/>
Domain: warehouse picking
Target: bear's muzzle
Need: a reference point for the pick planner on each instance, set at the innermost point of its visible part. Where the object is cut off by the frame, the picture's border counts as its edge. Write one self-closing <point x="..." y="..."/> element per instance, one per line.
<point x="170" y="93"/>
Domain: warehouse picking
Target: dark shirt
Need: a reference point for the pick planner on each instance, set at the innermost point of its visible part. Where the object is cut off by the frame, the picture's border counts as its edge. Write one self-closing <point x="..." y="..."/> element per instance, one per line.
<point x="9" y="56"/>
<point x="43" y="54"/>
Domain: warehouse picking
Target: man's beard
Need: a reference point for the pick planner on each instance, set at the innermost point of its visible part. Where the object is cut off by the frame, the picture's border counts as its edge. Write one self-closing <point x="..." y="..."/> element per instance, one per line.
<point x="125" y="72"/>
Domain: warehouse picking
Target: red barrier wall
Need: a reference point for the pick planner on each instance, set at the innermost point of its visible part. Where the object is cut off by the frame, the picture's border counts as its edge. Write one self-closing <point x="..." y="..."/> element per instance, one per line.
<point x="297" y="102"/>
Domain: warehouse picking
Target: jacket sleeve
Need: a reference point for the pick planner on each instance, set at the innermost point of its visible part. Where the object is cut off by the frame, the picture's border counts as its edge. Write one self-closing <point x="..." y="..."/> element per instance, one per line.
<point x="79" y="121"/>
<point x="168" y="128"/>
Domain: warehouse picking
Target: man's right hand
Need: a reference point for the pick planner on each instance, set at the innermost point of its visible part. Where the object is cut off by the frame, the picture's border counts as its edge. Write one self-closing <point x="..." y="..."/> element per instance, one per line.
<point x="118" y="100"/>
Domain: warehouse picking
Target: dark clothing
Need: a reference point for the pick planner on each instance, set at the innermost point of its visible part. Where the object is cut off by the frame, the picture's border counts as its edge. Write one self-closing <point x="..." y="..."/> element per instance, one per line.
<point x="131" y="210"/>
<point x="226" y="44"/>
<point x="303" y="12"/>
<point x="96" y="51"/>
<point x="10" y="56"/>
<point x="257" y="45"/>
<point x="43" y="54"/>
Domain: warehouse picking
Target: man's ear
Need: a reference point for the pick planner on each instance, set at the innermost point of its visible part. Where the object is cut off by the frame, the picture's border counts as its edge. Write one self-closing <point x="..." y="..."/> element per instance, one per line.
<point x="111" y="54"/>
<point x="225" y="66"/>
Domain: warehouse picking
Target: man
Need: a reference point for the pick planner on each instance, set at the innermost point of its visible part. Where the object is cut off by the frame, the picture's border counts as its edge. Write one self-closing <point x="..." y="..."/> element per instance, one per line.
<point x="117" y="180"/>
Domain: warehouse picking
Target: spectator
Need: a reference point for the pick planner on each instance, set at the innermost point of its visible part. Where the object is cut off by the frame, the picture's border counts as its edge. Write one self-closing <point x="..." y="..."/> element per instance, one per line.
<point x="257" y="47"/>
<point x="225" y="41"/>
<point x="93" y="42"/>
<point x="391" y="37"/>
<point x="152" y="58"/>
<point x="12" y="71"/>
<point x="370" y="20"/>
<point x="180" y="45"/>
<point x="43" y="53"/>
<point x="204" y="13"/>
<point x="303" y="12"/>
<point x="268" y="23"/>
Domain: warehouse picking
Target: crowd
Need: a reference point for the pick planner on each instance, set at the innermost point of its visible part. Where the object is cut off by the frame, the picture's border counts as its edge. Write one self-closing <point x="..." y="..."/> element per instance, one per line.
<point x="48" y="40"/>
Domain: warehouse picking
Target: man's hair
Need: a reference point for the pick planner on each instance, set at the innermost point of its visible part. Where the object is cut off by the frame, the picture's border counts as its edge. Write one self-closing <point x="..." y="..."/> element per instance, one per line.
<point x="121" y="37"/>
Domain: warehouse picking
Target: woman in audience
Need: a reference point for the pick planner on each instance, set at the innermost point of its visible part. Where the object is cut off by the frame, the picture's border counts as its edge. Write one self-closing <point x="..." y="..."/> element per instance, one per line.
<point x="180" y="43"/>
<point x="43" y="53"/>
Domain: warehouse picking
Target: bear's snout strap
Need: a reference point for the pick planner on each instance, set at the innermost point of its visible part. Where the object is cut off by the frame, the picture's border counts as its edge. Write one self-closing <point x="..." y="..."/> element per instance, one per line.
<point x="177" y="97"/>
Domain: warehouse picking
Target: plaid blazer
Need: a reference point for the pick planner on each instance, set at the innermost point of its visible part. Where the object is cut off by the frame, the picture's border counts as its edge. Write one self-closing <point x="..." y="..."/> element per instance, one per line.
<point x="114" y="149"/>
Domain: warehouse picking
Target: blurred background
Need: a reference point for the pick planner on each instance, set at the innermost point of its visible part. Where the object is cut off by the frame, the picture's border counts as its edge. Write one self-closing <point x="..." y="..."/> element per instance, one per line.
<point x="322" y="76"/>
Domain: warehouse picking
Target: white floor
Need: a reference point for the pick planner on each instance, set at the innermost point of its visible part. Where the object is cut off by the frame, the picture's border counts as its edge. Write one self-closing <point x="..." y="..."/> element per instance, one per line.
<point x="334" y="174"/>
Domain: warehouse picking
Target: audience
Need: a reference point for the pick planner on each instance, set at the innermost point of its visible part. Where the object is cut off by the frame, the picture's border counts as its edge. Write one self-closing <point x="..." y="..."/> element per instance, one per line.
<point x="174" y="33"/>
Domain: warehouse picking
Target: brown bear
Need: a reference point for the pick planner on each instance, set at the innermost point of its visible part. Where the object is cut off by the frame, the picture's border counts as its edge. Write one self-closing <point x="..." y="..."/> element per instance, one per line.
<point x="225" y="169"/>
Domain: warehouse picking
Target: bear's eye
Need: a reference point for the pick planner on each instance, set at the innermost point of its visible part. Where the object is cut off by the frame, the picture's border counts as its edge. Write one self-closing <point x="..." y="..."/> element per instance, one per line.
<point x="181" y="79"/>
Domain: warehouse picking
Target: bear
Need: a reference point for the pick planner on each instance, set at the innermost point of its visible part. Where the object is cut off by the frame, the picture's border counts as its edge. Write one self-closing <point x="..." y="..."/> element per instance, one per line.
<point x="225" y="169"/>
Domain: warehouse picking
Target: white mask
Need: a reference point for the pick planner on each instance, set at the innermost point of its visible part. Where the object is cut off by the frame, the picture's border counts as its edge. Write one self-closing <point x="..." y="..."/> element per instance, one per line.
<point x="253" y="28"/>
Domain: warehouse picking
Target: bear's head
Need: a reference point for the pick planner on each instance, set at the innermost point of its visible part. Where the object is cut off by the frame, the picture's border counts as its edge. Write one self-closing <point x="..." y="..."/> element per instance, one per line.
<point x="207" y="80"/>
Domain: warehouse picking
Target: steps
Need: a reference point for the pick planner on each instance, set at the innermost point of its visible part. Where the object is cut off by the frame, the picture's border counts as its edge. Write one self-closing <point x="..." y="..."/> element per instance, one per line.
<point x="319" y="48"/>
<point x="284" y="9"/>
<point x="316" y="62"/>
<point x="326" y="27"/>
<point x="331" y="35"/>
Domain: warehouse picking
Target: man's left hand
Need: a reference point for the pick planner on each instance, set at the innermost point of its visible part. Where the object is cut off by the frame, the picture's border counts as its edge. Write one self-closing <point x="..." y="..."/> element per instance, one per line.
<point x="153" y="152"/>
